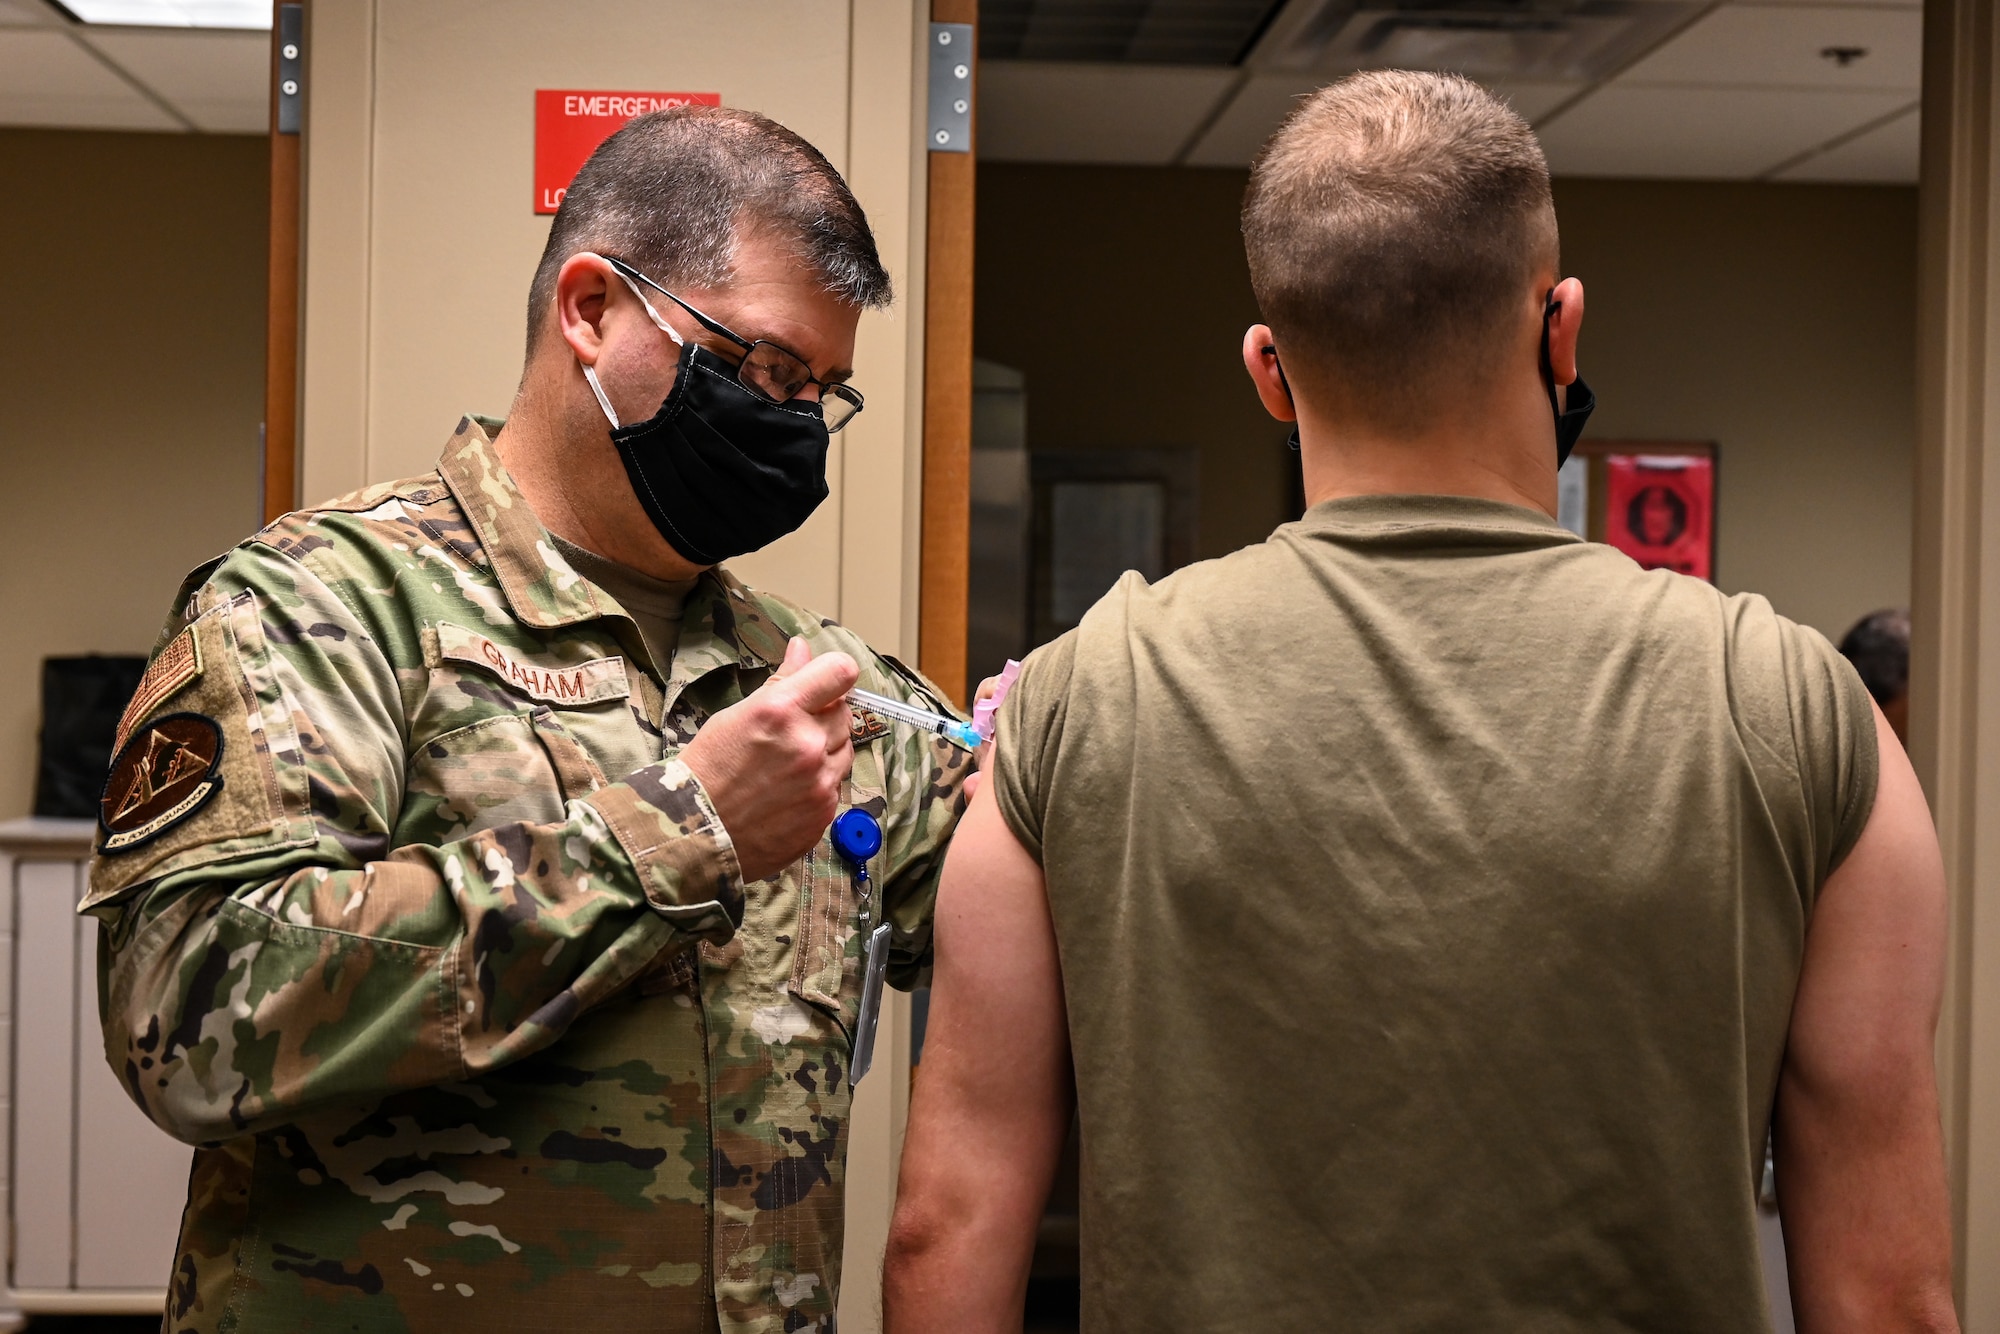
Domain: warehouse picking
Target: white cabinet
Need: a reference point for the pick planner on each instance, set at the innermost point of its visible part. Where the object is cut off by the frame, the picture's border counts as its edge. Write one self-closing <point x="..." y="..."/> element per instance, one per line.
<point x="94" y="1189"/>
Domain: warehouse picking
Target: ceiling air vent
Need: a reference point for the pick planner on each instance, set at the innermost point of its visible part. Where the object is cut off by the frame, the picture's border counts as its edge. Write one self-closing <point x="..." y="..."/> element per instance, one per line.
<point x="1154" y="32"/>
<point x="1561" y="40"/>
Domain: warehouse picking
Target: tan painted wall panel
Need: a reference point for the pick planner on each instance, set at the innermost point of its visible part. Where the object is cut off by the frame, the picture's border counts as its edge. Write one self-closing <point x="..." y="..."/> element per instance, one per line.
<point x="334" y="292"/>
<point x="881" y="449"/>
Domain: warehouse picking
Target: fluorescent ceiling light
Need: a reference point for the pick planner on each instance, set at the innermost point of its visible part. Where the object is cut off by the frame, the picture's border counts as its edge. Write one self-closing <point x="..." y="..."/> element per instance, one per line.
<point x="174" y="13"/>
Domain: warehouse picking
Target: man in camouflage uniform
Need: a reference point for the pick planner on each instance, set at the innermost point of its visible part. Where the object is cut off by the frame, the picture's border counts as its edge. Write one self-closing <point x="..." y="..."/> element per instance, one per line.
<point x="490" y="950"/>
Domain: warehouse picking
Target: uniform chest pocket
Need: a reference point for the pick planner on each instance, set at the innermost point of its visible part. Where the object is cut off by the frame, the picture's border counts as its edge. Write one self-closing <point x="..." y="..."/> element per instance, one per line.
<point x="507" y="736"/>
<point x="481" y="776"/>
<point x="826" y="970"/>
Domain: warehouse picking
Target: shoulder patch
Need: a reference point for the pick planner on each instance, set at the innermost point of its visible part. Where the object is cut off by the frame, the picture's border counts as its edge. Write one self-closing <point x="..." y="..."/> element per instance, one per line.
<point x="171" y="668"/>
<point x="868" y="726"/>
<point x="160" y="777"/>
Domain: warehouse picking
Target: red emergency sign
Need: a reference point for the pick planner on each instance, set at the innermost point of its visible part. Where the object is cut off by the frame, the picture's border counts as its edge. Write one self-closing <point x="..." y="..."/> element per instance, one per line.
<point x="570" y="124"/>
<point x="1660" y="511"/>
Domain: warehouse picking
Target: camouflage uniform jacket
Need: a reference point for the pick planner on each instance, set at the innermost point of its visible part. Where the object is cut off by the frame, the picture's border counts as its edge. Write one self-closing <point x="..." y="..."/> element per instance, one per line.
<point x="469" y="1036"/>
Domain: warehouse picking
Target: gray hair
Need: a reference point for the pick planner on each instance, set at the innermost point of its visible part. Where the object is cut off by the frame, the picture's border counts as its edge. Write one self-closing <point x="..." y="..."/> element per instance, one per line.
<point x="672" y="191"/>
<point x="1392" y="227"/>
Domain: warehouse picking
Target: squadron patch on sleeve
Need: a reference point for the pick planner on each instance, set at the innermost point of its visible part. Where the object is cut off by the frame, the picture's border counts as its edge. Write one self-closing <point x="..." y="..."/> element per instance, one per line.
<point x="164" y="774"/>
<point x="176" y="665"/>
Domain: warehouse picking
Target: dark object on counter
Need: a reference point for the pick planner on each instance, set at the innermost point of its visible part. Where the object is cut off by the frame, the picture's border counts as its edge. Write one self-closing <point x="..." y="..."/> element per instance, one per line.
<point x="82" y="699"/>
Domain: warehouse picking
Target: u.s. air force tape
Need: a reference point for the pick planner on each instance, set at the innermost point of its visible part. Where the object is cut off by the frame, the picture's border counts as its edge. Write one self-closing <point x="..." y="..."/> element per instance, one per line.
<point x="168" y="770"/>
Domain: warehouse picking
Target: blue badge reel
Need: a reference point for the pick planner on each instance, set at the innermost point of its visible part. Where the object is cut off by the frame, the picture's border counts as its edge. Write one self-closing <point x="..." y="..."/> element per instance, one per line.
<point x="857" y="837"/>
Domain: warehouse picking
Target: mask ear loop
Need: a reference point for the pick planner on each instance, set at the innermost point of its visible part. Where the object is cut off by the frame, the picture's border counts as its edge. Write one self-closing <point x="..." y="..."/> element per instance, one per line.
<point x="1292" y="443"/>
<point x="610" y="413"/>
<point x="590" y="374"/>
<point x="665" y="328"/>
<point x="1549" y="308"/>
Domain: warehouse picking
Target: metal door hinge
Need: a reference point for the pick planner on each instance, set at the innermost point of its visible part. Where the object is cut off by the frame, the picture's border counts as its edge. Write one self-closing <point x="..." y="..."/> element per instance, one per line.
<point x="291" y="68"/>
<point x="951" y="88"/>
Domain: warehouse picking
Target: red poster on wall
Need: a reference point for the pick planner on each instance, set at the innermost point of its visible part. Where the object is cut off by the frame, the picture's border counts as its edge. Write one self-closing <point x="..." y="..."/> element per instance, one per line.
<point x="1659" y="509"/>
<point x="570" y="124"/>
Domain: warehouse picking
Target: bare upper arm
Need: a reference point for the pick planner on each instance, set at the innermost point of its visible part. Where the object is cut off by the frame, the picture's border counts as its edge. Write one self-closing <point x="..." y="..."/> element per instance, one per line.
<point x="1860" y="1153"/>
<point x="1873" y="975"/>
<point x="996" y="1047"/>
<point x="992" y="1098"/>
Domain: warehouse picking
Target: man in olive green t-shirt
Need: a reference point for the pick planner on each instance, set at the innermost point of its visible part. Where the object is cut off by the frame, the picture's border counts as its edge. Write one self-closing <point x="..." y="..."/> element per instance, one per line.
<point x="1427" y="911"/>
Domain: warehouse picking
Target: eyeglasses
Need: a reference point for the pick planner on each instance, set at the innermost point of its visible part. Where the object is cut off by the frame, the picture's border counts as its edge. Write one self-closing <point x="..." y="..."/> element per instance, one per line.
<point x="766" y="370"/>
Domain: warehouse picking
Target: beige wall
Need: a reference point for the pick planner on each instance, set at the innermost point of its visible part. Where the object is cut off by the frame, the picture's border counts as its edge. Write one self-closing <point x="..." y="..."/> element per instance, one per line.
<point x="1780" y="322"/>
<point x="1777" y="320"/>
<point x="131" y="374"/>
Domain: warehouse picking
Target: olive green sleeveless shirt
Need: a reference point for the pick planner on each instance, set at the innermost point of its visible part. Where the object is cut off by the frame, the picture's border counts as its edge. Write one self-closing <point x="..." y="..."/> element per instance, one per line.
<point x="1431" y="888"/>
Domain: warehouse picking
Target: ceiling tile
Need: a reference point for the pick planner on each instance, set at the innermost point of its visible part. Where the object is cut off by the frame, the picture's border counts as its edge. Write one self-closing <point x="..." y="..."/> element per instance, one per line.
<point x="1860" y="4"/>
<point x="1886" y="155"/>
<point x="1062" y="112"/>
<point x="1759" y="46"/>
<point x="1702" y="133"/>
<point x="1264" y="102"/>
<point x="224" y="74"/>
<point x="1152" y="32"/>
<point x="47" y="79"/>
<point x="1569" y="41"/>
<point x="26" y="13"/>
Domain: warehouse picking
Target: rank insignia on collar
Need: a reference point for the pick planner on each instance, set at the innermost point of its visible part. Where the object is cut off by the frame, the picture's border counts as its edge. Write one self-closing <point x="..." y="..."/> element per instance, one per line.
<point x="164" y="774"/>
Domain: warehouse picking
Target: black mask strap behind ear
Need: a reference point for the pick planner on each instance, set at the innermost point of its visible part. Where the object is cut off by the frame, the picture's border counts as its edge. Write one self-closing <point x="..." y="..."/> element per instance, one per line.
<point x="1569" y="421"/>
<point x="1293" y="442"/>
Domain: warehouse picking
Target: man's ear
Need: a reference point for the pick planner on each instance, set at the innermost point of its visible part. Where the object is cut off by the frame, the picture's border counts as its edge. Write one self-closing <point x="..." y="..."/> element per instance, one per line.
<point x="1565" y="325"/>
<point x="1260" y="358"/>
<point x="583" y="287"/>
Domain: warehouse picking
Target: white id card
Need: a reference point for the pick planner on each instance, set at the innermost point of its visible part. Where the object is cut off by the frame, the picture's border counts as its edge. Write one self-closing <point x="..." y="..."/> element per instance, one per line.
<point x="874" y="968"/>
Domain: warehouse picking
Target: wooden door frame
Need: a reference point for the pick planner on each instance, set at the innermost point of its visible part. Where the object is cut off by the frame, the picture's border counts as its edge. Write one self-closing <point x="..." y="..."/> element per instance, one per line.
<point x="946" y="569"/>
<point x="1955" y="602"/>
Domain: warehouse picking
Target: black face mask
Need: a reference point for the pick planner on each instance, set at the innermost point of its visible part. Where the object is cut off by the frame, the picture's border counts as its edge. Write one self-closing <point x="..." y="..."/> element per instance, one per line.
<point x="720" y="470"/>
<point x="1569" y="421"/>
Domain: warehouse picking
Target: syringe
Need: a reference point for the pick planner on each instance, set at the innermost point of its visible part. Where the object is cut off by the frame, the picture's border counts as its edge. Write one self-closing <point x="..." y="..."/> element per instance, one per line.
<point x="937" y="724"/>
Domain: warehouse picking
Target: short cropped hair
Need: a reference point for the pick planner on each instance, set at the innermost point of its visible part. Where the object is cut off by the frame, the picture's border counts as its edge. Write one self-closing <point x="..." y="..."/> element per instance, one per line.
<point x="672" y="192"/>
<point x="1393" y="225"/>
<point x="1879" y="648"/>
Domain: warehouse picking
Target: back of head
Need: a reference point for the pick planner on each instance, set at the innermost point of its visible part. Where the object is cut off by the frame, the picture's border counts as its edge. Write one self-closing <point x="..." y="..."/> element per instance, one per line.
<point x="1393" y="226"/>
<point x="1879" y="648"/>
<point x="673" y="192"/>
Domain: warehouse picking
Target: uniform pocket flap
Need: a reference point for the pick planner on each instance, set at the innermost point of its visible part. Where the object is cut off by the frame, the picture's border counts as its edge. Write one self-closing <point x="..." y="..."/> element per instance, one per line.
<point x="563" y="684"/>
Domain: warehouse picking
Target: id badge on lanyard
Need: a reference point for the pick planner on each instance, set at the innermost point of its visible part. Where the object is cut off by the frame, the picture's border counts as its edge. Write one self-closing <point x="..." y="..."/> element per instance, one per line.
<point x="858" y="837"/>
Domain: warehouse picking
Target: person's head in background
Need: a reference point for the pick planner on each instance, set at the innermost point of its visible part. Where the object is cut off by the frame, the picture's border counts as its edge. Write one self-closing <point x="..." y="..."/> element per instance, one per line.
<point x="1879" y="648"/>
<point x="1402" y="245"/>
